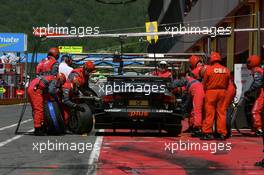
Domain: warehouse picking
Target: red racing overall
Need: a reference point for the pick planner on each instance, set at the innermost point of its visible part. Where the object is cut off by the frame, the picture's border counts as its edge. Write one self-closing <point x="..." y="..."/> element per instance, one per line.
<point x="216" y="80"/>
<point x="37" y="93"/>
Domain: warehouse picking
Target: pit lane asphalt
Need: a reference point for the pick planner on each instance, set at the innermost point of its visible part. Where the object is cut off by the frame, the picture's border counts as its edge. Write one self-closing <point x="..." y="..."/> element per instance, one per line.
<point x="18" y="155"/>
<point x="119" y="155"/>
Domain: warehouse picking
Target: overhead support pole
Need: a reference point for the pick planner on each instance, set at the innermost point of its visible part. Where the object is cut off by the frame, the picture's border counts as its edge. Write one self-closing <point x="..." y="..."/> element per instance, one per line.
<point x="231" y="48"/>
<point x="258" y="34"/>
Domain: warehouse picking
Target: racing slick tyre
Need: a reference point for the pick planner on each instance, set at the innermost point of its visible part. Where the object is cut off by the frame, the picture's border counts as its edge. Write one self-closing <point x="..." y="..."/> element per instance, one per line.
<point x="81" y="122"/>
<point x="53" y="118"/>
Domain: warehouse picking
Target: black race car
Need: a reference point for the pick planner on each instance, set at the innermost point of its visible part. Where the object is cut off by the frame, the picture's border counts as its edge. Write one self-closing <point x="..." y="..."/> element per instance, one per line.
<point x="138" y="102"/>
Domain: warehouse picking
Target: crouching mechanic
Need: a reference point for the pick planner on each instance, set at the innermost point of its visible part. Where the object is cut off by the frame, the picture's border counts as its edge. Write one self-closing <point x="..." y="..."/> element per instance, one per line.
<point x="38" y="93"/>
<point x="216" y="81"/>
<point x="82" y="74"/>
<point x="253" y="63"/>
<point x="196" y="92"/>
<point x="69" y="90"/>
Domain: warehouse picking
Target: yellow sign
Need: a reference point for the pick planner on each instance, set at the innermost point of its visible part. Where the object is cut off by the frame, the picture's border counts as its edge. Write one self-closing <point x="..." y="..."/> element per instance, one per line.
<point x="71" y="49"/>
<point x="2" y="90"/>
<point x="152" y="27"/>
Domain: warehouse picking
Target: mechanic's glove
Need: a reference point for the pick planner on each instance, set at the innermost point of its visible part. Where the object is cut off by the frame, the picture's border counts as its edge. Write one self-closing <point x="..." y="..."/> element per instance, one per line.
<point x="79" y="108"/>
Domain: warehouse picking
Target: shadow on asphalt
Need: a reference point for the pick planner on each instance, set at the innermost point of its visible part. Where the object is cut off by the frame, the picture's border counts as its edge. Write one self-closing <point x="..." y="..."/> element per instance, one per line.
<point x="25" y="133"/>
<point x="138" y="134"/>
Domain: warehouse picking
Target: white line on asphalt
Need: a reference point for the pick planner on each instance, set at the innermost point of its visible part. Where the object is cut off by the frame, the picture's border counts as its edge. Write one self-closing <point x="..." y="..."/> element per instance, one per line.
<point x="19" y="104"/>
<point x="13" y="125"/>
<point x="12" y="139"/>
<point x="94" y="156"/>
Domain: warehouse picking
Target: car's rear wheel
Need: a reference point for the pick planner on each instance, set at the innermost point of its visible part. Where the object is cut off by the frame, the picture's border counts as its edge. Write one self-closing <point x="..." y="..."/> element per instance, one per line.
<point x="81" y="122"/>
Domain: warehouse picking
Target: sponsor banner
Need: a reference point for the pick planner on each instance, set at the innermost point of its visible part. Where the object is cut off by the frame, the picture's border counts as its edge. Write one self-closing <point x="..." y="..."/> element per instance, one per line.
<point x="71" y="49"/>
<point x="13" y="42"/>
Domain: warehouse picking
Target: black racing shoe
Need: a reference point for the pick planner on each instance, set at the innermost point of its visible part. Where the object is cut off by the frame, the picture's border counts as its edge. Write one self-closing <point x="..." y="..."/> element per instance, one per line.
<point x="259" y="133"/>
<point x="189" y="130"/>
<point x="196" y="132"/>
<point x="207" y="137"/>
<point x="260" y="163"/>
<point x="220" y="137"/>
<point x="40" y="131"/>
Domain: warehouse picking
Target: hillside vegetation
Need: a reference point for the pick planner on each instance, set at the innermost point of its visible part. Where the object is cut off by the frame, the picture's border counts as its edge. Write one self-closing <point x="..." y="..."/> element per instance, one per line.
<point x="23" y="15"/>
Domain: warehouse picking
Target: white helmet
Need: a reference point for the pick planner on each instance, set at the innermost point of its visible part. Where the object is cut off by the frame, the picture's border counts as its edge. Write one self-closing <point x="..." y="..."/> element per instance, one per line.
<point x="163" y="62"/>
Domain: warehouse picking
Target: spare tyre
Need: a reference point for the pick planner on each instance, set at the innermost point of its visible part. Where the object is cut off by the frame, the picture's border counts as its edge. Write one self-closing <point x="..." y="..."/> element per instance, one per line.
<point x="53" y="118"/>
<point x="81" y="122"/>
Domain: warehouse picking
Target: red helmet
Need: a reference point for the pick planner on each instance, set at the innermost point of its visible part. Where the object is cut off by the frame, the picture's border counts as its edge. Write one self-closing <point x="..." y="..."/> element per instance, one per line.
<point x="54" y="52"/>
<point x="253" y="61"/>
<point x="61" y="78"/>
<point x="194" y="60"/>
<point x="215" y="56"/>
<point x="89" y="66"/>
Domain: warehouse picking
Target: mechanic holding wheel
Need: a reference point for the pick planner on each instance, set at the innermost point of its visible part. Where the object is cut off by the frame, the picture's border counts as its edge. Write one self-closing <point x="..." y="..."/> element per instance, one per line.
<point x="216" y="81"/>
<point x="46" y="70"/>
<point x="37" y="93"/>
<point x="253" y="64"/>
<point x="40" y="90"/>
